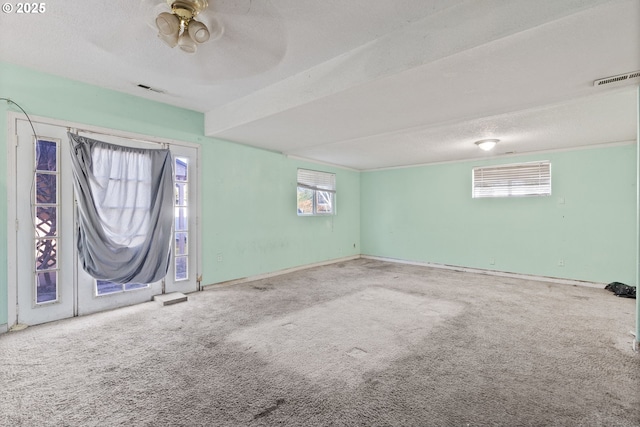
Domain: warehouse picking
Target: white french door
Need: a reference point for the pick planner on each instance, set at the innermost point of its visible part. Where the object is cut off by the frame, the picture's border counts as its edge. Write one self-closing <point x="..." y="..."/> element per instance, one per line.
<point x="50" y="283"/>
<point x="44" y="241"/>
<point x="98" y="295"/>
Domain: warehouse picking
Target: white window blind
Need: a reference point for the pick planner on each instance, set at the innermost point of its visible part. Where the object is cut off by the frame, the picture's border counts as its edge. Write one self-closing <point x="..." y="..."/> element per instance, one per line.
<point x="315" y="180"/>
<point x="515" y="180"/>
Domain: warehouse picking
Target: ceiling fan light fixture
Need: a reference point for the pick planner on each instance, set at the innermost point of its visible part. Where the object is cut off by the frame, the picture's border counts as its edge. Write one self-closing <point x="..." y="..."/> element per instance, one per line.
<point x="179" y="27"/>
<point x="170" y="40"/>
<point x="198" y="31"/>
<point x="168" y="23"/>
<point x="186" y="43"/>
<point x="187" y="9"/>
<point x="487" y="144"/>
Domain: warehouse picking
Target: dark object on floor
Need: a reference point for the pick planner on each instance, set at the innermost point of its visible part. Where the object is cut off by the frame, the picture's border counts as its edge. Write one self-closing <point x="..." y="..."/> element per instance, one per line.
<point x="621" y="290"/>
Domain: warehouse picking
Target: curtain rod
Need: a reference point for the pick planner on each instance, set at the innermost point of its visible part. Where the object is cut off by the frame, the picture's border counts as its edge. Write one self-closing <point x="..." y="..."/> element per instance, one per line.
<point x="78" y="131"/>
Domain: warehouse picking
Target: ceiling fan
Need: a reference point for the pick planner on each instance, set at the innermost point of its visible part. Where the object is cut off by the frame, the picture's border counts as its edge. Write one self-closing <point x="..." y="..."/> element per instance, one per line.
<point x="250" y="38"/>
<point x="177" y="25"/>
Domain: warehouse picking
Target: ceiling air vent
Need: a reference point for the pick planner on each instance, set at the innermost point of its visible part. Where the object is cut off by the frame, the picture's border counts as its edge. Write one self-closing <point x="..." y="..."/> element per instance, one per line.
<point x="152" y="89"/>
<point x="622" y="78"/>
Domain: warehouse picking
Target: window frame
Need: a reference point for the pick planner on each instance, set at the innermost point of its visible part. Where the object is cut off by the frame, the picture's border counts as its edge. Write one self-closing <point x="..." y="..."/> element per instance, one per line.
<point x="40" y="236"/>
<point x="526" y="179"/>
<point x="321" y="185"/>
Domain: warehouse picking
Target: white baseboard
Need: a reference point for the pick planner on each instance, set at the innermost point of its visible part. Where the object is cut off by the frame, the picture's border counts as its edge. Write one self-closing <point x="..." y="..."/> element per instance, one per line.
<point x="4" y="328"/>
<point x="491" y="272"/>
<point x="278" y="272"/>
<point x="422" y="264"/>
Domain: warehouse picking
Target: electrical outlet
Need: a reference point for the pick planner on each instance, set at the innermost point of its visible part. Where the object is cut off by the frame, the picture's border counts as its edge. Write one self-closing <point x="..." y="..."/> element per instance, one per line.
<point x="492" y="261"/>
<point x="561" y="263"/>
<point x="220" y="257"/>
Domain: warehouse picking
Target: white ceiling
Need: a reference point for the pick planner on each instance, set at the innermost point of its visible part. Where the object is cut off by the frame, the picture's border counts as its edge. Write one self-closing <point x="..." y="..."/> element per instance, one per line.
<point x="364" y="83"/>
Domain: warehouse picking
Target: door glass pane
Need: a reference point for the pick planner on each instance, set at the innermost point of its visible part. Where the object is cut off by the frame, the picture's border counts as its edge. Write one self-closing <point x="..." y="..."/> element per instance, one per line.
<point x="46" y="221"/>
<point x="181" y="194"/>
<point x="181" y="170"/>
<point x="46" y="185"/>
<point x="46" y="156"/>
<point x="105" y="287"/>
<point x="181" y="219"/>
<point x="46" y="286"/>
<point x="181" y="268"/>
<point x="46" y="271"/>
<point x="46" y="254"/>
<point x="133" y="286"/>
<point x="181" y="244"/>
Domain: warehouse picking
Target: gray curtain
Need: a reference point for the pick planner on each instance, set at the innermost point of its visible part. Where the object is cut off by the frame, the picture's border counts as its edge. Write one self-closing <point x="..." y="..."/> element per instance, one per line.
<point x="124" y="211"/>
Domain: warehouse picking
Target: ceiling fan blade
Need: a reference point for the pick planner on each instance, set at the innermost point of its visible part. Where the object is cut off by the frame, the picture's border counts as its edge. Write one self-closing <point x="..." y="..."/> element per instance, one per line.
<point x="150" y="9"/>
<point x="213" y="23"/>
<point x="251" y="44"/>
<point x="231" y="7"/>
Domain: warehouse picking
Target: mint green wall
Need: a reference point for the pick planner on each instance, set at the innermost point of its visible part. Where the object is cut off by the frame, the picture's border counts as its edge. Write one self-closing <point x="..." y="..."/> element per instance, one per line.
<point x="252" y="199"/>
<point x="248" y="195"/>
<point x="426" y="214"/>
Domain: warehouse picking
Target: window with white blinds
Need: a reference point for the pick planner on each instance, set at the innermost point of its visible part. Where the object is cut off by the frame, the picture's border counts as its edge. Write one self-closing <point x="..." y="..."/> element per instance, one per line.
<point x="316" y="192"/>
<point x="515" y="180"/>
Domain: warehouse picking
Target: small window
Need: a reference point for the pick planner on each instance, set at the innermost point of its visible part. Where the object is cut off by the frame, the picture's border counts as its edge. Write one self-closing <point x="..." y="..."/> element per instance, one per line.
<point x="316" y="192"/>
<point x="516" y="180"/>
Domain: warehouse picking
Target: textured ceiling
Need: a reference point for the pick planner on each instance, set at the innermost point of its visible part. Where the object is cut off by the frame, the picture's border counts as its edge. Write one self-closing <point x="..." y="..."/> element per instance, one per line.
<point x="364" y="83"/>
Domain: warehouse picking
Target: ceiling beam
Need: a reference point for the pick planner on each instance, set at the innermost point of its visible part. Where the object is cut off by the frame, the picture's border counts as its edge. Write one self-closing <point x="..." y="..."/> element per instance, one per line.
<point x="463" y="26"/>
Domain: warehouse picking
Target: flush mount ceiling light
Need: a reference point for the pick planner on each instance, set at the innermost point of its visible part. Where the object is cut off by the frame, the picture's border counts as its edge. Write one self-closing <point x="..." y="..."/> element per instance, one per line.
<point x="487" y="144"/>
<point x="180" y="28"/>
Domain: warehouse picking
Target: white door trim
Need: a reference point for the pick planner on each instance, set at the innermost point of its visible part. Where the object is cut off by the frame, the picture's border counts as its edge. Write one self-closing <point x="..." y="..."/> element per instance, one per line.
<point x="12" y="217"/>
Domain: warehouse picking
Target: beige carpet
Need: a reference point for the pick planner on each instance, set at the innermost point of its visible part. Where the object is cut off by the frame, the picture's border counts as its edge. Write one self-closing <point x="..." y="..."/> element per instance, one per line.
<point x="345" y="338"/>
<point x="363" y="343"/>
